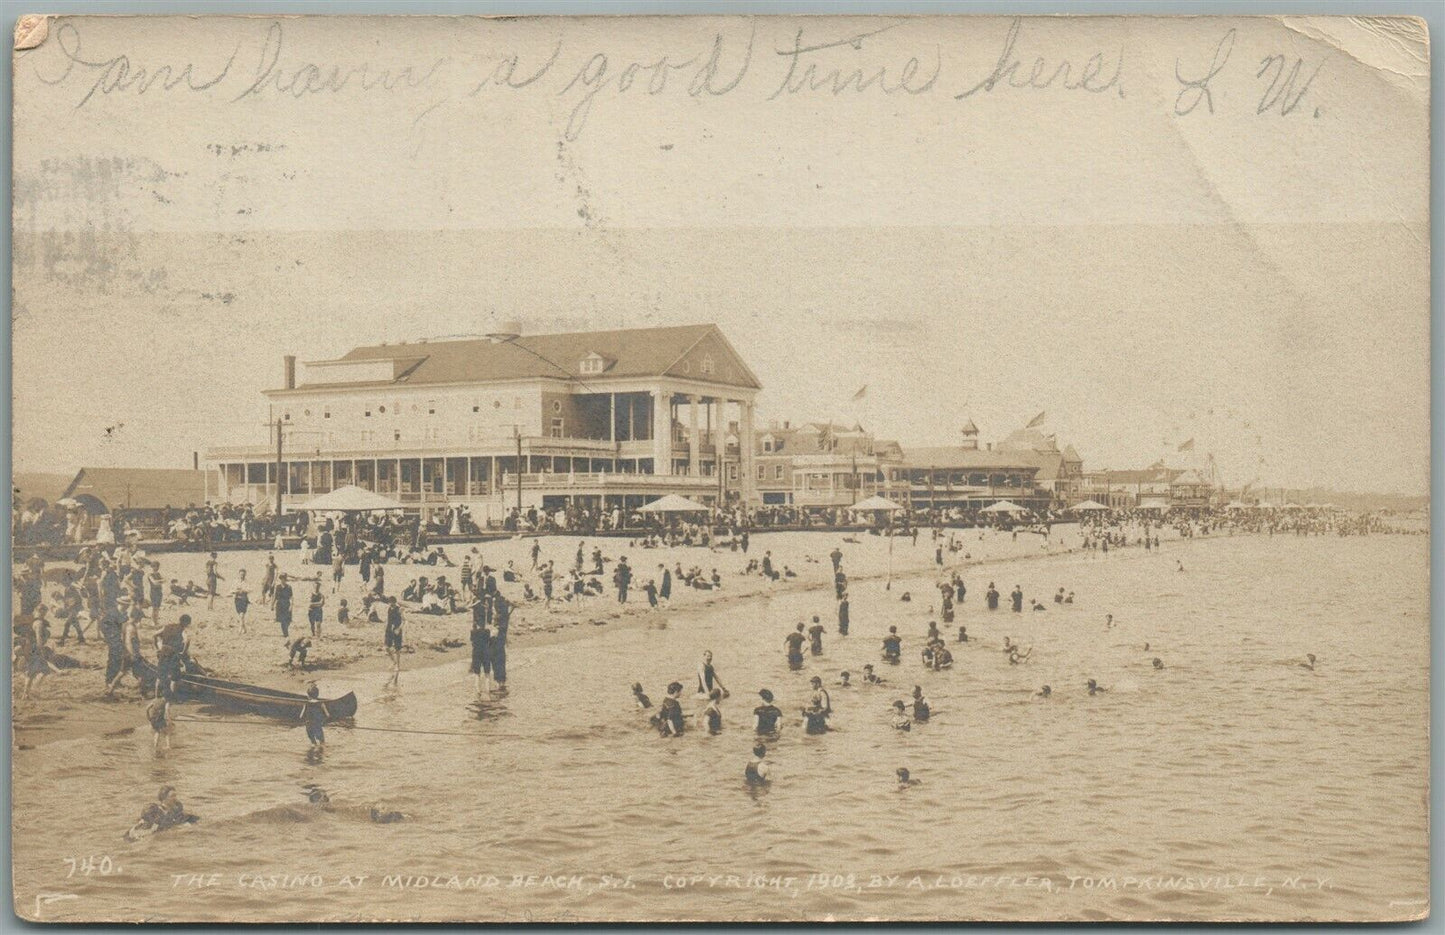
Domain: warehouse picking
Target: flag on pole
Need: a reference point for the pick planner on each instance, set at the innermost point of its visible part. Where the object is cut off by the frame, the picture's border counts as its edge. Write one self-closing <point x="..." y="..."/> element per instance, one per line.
<point x="1187" y="446"/>
<point x="1036" y="421"/>
<point x="862" y="391"/>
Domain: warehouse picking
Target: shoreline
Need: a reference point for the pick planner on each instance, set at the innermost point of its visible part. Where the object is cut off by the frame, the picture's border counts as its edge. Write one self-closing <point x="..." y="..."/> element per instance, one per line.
<point x="436" y="640"/>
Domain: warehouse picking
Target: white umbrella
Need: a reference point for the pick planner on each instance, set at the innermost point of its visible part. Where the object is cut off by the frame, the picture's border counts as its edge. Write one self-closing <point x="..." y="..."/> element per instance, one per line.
<point x="351" y="499"/>
<point x="1004" y="506"/>
<point x="876" y="503"/>
<point x="1088" y="505"/>
<point x="672" y="503"/>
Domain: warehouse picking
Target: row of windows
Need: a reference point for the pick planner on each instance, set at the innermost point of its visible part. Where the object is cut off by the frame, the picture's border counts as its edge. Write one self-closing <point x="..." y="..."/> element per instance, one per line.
<point x="429" y="407"/>
<point x="557" y="429"/>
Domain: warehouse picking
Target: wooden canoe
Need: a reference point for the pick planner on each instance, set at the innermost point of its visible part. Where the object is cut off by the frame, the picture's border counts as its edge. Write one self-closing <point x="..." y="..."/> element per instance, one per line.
<point x="253" y="699"/>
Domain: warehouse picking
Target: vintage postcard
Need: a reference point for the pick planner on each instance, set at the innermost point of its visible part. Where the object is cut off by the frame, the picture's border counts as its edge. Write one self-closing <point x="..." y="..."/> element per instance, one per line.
<point x="640" y="469"/>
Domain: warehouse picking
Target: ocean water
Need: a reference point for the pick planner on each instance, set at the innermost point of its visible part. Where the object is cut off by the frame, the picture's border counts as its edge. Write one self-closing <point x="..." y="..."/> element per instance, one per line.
<point x="1231" y="784"/>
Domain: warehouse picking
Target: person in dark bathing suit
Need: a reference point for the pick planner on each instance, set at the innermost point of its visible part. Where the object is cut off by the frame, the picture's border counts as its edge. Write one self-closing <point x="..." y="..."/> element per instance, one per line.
<point x="991" y="597"/>
<point x="815" y="719"/>
<point x="313" y="715"/>
<point x="640" y="696"/>
<point x="815" y="638"/>
<point x="670" y="722"/>
<point x="892" y="646"/>
<point x="794" y="643"/>
<point x="767" y="715"/>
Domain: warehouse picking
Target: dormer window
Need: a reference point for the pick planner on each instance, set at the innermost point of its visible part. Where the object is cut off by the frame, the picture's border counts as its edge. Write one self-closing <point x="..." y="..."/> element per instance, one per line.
<point x="593" y="363"/>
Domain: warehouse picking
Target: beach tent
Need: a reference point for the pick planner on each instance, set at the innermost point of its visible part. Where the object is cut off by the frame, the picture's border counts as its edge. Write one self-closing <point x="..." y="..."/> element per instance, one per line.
<point x="876" y="504"/>
<point x="1087" y="506"/>
<point x="350" y="499"/>
<point x="1004" y="506"/>
<point x="672" y="503"/>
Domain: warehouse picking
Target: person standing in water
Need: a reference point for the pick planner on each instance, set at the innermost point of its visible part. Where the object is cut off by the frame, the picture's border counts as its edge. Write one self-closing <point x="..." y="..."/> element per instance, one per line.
<point x="821" y="696"/>
<point x="158" y="713"/>
<point x="922" y="711"/>
<point x="670" y="721"/>
<point x="843" y="615"/>
<point x="481" y="639"/>
<point x="392" y="638"/>
<point x="755" y="774"/>
<point x="793" y="642"/>
<point x="707" y="678"/>
<point x="501" y="623"/>
<point x="314" y="715"/>
<point x="710" y="717"/>
<point x="815" y="719"/>
<point x="766" y="715"/>
<point x="815" y="637"/>
<point x="1017" y="598"/>
<point x="991" y="596"/>
<point x="892" y="646"/>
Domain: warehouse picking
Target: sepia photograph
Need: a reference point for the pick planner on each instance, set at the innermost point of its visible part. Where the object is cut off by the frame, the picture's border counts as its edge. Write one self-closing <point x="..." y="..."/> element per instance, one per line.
<point x="720" y="469"/>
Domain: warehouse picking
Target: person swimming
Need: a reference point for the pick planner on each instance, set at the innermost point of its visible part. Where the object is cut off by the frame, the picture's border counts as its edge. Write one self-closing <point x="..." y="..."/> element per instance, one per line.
<point x="1308" y="665"/>
<point x="755" y="774"/>
<point x="963" y="634"/>
<point x="1109" y="622"/>
<point x="1158" y="663"/>
<point x="900" y="718"/>
<point x="164" y="813"/>
<point x="869" y="676"/>
<point x="905" y="780"/>
<point x="1095" y="688"/>
<point x="1045" y="692"/>
<point x="1146" y="647"/>
<point x="843" y="679"/>
<point x="643" y="701"/>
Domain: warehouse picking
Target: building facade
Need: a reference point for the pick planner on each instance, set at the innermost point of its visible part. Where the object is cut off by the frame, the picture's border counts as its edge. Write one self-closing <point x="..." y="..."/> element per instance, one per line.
<point x="821" y="465"/>
<point x="598" y="419"/>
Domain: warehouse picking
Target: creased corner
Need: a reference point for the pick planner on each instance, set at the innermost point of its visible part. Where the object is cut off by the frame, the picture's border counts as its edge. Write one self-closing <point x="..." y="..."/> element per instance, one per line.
<point x="31" y="31"/>
<point x="1396" y="45"/>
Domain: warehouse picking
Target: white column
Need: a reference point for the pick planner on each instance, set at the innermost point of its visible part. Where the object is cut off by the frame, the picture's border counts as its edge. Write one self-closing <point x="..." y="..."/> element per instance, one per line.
<point x="748" y="479"/>
<point x="612" y="417"/>
<point x="661" y="432"/>
<point x="694" y="444"/>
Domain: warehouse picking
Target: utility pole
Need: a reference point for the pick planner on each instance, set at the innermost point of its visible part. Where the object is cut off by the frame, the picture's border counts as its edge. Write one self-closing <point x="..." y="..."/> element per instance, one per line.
<point x="517" y="431"/>
<point x="280" y="468"/>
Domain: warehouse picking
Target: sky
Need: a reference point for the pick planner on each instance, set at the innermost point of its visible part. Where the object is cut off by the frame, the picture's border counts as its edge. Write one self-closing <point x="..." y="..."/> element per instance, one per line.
<point x="1250" y="278"/>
